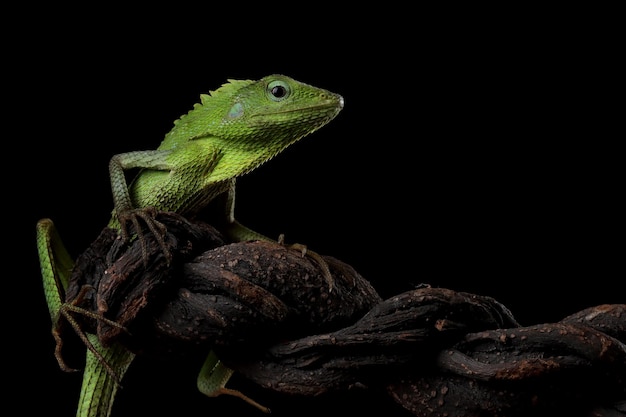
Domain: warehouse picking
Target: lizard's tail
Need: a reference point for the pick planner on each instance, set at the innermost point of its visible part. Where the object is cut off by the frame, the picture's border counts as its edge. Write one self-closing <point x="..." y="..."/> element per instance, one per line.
<point x="99" y="386"/>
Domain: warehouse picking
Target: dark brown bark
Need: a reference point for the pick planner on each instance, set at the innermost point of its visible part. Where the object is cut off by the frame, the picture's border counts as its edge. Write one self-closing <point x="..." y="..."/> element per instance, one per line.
<point x="270" y="314"/>
<point x="547" y="369"/>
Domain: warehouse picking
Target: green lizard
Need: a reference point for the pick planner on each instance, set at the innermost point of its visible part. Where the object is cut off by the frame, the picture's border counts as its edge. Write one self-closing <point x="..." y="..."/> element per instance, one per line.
<point x="232" y="131"/>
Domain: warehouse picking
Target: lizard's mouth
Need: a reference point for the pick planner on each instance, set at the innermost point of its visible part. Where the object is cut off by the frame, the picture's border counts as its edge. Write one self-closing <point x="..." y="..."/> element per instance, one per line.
<point x="335" y="103"/>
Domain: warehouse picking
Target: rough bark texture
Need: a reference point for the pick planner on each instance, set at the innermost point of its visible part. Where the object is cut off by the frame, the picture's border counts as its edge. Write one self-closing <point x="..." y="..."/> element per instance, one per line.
<point x="270" y="314"/>
<point x="547" y="369"/>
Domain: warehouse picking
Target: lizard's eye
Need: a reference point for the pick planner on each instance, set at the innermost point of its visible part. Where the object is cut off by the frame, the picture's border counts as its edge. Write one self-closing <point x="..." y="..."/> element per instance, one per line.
<point x="278" y="90"/>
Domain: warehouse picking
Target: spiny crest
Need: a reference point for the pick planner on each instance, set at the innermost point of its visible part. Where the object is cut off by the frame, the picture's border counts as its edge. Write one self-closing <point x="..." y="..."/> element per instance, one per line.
<point x="228" y="88"/>
<point x="225" y="90"/>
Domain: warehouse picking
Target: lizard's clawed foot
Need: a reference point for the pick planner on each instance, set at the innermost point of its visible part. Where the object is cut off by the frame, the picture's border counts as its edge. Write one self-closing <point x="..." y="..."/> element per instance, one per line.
<point x="212" y="381"/>
<point x="319" y="260"/>
<point x="242" y="396"/>
<point x="148" y="216"/>
<point x="66" y="311"/>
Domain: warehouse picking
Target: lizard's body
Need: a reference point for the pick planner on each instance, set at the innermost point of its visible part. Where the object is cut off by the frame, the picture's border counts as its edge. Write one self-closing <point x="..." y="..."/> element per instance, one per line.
<point x="231" y="132"/>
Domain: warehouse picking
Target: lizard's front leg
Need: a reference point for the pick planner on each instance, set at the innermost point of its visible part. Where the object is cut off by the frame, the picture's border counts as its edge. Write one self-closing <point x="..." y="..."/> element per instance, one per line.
<point x="125" y="212"/>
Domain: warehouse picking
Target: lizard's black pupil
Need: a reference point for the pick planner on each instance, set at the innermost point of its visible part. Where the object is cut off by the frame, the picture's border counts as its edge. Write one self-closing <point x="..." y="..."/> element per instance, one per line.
<point x="278" y="91"/>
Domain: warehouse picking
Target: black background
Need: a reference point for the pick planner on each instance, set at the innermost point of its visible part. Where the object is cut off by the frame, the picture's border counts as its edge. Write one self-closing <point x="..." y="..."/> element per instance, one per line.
<point x="475" y="152"/>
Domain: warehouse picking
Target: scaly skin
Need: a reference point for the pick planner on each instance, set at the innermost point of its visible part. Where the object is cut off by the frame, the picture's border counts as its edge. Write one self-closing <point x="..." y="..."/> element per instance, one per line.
<point x="99" y="387"/>
<point x="234" y="130"/>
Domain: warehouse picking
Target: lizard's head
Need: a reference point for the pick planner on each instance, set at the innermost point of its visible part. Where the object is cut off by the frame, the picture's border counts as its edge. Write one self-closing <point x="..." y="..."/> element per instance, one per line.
<point x="274" y="110"/>
<point x="252" y="121"/>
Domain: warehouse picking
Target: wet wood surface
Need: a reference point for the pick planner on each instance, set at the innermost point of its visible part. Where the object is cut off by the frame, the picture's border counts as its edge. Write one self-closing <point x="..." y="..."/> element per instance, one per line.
<point x="270" y="314"/>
